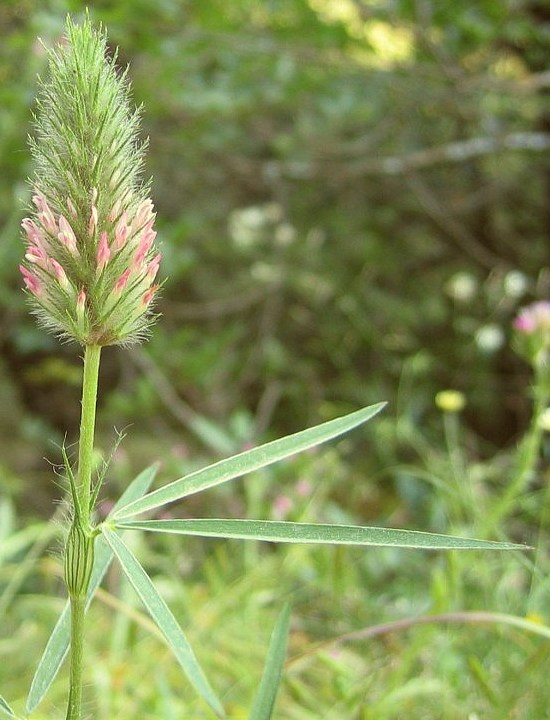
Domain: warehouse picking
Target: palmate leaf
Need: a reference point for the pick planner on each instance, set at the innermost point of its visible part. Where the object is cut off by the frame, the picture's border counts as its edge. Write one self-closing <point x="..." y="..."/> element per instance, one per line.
<point x="291" y="532"/>
<point x="247" y="461"/>
<point x="165" y="620"/>
<point x="58" y="643"/>
<point x="264" y="701"/>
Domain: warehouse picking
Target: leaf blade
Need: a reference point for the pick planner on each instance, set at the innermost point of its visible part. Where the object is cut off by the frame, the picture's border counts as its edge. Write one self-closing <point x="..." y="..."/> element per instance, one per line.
<point x="137" y="488"/>
<point x="264" y="701"/>
<point x="58" y="643"/>
<point x="163" y="617"/>
<point x="279" y="531"/>
<point x="6" y="709"/>
<point x="248" y="461"/>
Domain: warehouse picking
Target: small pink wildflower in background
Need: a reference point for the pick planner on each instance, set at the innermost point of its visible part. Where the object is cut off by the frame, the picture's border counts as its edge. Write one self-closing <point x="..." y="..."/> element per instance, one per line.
<point x="533" y="318"/>
<point x="304" y="488"/>
<point x="180" y="451"/>
<point x="282" y="507"/>
<point x="532" y="337"/>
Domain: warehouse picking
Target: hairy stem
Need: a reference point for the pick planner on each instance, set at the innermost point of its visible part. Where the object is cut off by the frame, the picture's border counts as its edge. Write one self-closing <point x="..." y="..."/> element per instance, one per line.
<point x="78" y="609"/>
<point x="87" y="427"/>
<point x="80" y="543"/>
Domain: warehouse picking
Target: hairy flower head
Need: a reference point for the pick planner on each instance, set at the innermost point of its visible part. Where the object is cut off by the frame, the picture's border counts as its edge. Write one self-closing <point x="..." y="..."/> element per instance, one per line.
<point x="90" y="262"/>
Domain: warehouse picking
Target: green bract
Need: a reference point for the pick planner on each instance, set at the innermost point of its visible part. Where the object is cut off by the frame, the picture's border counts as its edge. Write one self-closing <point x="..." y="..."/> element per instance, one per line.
<point x="78" y="560"/>
<point x="90" y="263"/>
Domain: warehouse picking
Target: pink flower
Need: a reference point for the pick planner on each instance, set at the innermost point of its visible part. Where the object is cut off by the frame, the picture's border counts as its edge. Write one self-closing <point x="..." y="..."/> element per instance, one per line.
<point x="40" y="202"/>
<point x="148" y="295"/>
<point x="533" y="318"/>
<point x="153" y="267"/>
<point x="123" y="279"/>
<point x="145" y="244"/>
<point x="115" y="269"/>
<point x="144" y="214"/>
<point x="36" y="255"/>
<point x="34" y="235"/>
<point x="67" y="236"/>
<point x="282" y="507"/>
<point x="31" y="281"/>
<point x="89" y="264"/>
<point x="59" y="273"/>
<point x="303" y="488"/>
<point x="122" y="232"/>
<point x="47" y="221"/>
<point x="103" y="253"/>
<point x="45" y="215"/>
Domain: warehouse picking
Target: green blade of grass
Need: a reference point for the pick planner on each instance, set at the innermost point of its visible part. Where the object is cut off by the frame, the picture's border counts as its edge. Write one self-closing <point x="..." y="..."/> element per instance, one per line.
<point x="58" y="644"/>
<point x="248" y="461"/>
<point x="278" y="531"/>
<point x="264" y="701"/>
<point x="165" y="620"/>
<point x="6" y="709"/>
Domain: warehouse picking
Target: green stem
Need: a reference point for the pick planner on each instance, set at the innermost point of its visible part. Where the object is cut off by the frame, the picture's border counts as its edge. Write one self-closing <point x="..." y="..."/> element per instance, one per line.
<point x="463" y="503"/>
<point x="92" y="355"/>
<point x="78" y="609"/>
<point x="79" y="549"/>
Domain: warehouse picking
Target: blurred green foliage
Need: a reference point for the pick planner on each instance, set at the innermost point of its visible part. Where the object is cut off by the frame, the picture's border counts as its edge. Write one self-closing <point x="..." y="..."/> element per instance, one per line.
<point x="352" y="203"/>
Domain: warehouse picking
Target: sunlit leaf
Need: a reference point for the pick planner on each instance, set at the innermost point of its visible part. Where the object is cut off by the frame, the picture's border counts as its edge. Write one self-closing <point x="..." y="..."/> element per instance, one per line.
<point x="162" y="615"/>
<point x="248" y="461"/>
<point x="291" y="532"/>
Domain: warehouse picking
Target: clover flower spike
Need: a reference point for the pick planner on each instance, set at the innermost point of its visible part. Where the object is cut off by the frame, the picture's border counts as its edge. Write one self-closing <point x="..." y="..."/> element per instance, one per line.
<point x="90" y="261"/>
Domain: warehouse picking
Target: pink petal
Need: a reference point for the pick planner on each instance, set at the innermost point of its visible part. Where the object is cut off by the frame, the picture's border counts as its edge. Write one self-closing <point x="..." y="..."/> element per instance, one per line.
<point x="59" y="273"/>
<point x="144" y="214"/>
<point x="123" y="279"/>
<point x="153" y="267"/>
<point x="103" y="252"/>
<point x="32" y="283"/>
<point x="66" y="235"/>
<point x="32" y="231"/>
<point x="148" y="295"/>
<point x="121" y="232"/>
<point x="81" y="300"/>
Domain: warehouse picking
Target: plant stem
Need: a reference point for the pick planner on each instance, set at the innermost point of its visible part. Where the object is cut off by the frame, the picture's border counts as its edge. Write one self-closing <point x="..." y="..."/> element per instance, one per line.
<point x="79" y="555"/>
<point x="463" y="503"/>
<point x="78" y="610"/>
<point x="92" y="355"/>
